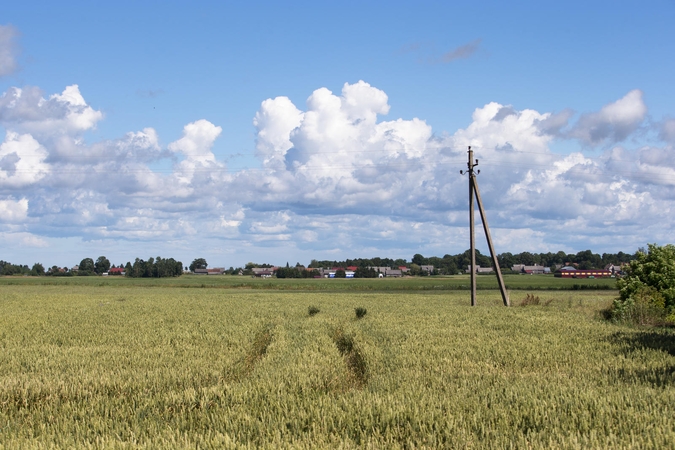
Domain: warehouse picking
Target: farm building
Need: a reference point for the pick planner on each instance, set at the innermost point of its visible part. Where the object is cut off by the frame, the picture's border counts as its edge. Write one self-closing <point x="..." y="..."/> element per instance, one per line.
<point x="536" y="269"/>
<point x="572" y="272"/>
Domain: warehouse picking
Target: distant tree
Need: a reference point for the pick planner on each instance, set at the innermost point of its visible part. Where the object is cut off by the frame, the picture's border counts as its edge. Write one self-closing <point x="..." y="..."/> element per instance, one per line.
<point x="199" y="263"/>
<point x="101" y="265"/>
<point x="87" y="267"/>
<point x="526" y="258"/>
<point x="154" y="268"/>
<point x="363" y="272"/>
<point x="340" y="273"/>
<point x="419" y="260"/>
<point x="38" y="270"/>
<point x="586" y="265"/>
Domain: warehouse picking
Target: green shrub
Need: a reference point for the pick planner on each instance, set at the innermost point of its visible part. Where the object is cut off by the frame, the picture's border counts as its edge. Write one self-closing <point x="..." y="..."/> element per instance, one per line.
<point x="360" y="312"/>
<point x="646" y="306"/>
<point x="313" y="310"/>
<point x="647" y="292"/>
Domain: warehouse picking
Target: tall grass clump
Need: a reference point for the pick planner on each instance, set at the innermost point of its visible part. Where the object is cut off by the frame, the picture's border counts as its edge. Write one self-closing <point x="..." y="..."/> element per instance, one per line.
<point x="360" y="312"/>
<point x="530" y="299"/>
<point x="313" y="311"/>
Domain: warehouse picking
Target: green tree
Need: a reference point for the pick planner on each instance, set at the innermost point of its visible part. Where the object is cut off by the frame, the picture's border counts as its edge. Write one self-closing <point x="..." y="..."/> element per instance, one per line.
<point x="199" y="263"/>
<point x="419" y="260"/>
<point x="38" y="270"/>
<point x="340" y="273"/>
<point x="101" y="265"/>
<point x="87" y="267"/>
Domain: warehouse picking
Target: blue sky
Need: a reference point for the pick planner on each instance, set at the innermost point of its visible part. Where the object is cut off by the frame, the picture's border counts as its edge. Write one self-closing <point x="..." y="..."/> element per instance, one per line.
<point x="276" y="132"/>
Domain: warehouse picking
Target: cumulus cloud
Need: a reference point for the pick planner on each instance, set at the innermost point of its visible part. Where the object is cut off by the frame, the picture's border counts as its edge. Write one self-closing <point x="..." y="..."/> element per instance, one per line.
<point x="336" y="175"/>
<point x="22" y="160"/>
<point x="274" y="122"/>
<point x="27" y="110"/>
<point x="614" y="122"/>
<point x="13" y="211"/>
<point x="8" y="50"/>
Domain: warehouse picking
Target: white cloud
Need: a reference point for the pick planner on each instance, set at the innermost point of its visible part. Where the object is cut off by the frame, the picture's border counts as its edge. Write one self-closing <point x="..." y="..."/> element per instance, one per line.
<point x="274" y="122"/>
<point x="614" y="122"/>
<point x="335" y="178"/>
<point x="8" y="50"/>
<point x="66" y="113"/>
<point x="21" y="161"/>
<point x="197" y="141"/>
<point x="13" y="211"/>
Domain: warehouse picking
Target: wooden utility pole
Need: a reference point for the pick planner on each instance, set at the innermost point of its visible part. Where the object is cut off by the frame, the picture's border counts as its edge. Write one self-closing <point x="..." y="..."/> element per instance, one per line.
<point x="473" y="188"/>
<point x="472" y="230"/>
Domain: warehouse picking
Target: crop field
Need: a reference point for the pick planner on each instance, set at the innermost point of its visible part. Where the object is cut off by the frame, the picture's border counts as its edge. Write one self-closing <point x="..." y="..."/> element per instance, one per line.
<point x="435" y="283"/>
<point x="115" y="364"/>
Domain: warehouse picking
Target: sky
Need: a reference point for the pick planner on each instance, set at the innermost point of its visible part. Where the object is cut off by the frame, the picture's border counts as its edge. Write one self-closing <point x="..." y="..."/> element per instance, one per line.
<point x="288" y="131"/>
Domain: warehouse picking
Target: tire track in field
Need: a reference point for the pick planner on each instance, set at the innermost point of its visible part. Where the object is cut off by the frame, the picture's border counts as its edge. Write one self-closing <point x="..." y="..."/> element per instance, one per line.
<point x="253" y="355"/>
<point x="355" y="361"/>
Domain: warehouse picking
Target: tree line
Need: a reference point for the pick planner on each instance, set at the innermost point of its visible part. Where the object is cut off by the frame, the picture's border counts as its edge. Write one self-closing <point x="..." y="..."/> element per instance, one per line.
<point x="152" y="268"/>
<point x="452" y="264"/>
<point x="448" y="264"/>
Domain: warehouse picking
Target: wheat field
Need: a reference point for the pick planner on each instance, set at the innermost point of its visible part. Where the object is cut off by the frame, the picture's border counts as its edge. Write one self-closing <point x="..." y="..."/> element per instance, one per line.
<point x="128" y="366"/>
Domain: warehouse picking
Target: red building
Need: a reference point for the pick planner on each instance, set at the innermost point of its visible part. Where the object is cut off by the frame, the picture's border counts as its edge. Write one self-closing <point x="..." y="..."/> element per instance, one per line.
<point x="572" y="272"/>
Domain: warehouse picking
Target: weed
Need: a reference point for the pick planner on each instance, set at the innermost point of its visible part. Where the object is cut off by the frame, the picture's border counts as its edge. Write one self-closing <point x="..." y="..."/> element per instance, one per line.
<point x="530" y="299"/>
<point x="360" y="312"/>
<point x="313" y="311"/>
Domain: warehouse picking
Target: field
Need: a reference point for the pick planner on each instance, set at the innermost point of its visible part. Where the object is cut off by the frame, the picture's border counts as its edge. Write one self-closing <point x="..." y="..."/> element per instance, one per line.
<point x="116" y="363"/>
<point x="456" y="282"/>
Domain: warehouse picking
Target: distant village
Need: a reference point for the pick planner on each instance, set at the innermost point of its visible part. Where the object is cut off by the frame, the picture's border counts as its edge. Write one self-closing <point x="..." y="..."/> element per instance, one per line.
<point x="568" y="271"/>
<point x="583" y="264"/>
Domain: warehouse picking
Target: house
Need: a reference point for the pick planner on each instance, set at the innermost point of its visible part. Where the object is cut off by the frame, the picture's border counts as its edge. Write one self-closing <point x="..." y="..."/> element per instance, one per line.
<point x="427" y="269"/>
<point x="403" y="269"/>
<point x="387" y="272"/>
<point x="480" y="269"/>
<point x="263" y="271"/>
<point x="116" y="271"/>
<point x="615" y="269"/>
<point x="215" y="271"/>
<point x="536" y="269"/>
<point x="393" y="273"/>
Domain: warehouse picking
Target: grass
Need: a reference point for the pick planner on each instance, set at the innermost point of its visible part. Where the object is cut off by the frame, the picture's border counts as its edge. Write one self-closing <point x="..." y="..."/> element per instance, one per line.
<point x="434" y="283"/>
<point x="88" y="366"/>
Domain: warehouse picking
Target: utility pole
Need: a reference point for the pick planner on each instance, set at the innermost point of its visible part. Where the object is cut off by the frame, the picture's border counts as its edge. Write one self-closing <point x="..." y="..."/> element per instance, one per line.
<point x="472" y="231"/>
<point x="473" y="188"/>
